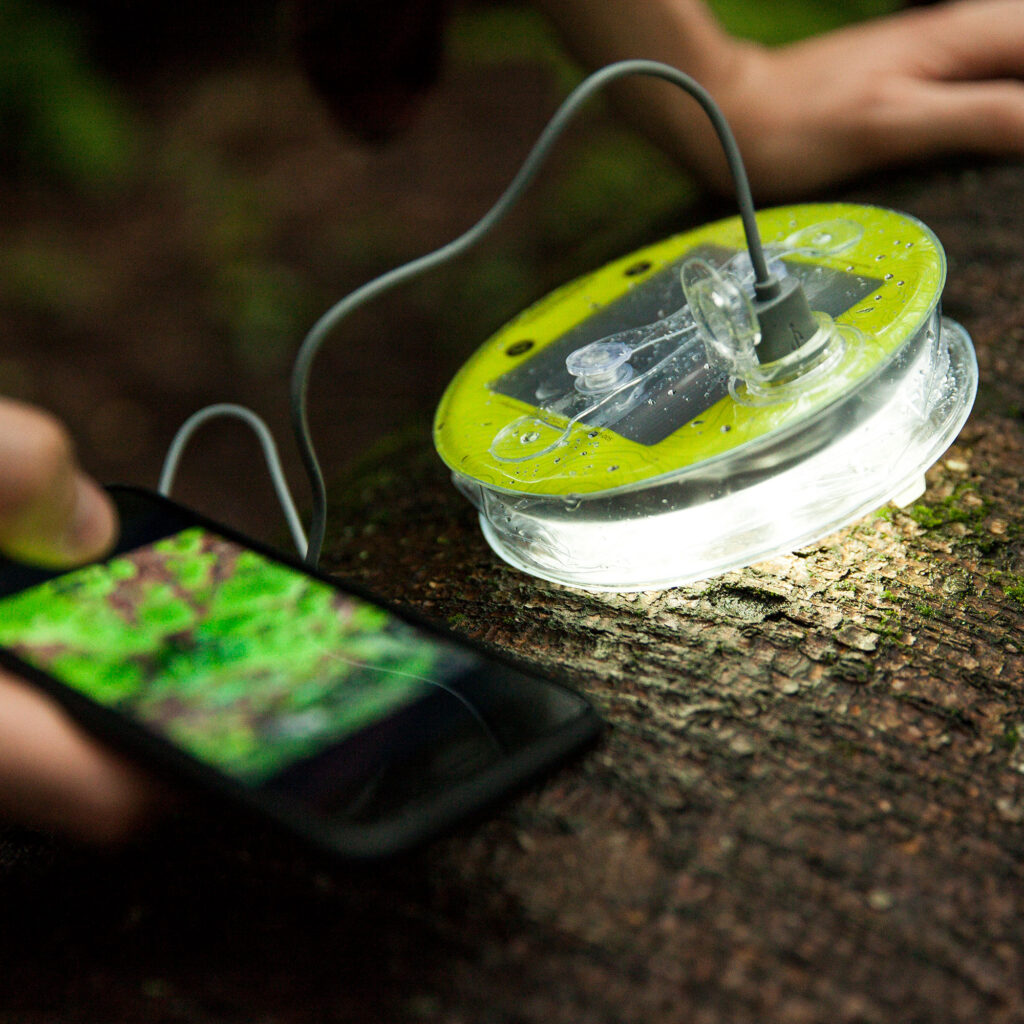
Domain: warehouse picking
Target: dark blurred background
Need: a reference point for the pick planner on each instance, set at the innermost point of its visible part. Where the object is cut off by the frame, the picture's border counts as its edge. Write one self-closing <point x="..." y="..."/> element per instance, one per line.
<point x="182" y="196"/>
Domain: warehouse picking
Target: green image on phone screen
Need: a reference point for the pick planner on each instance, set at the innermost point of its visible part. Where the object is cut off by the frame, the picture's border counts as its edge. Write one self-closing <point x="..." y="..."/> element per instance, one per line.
<point x="242" y="661"/>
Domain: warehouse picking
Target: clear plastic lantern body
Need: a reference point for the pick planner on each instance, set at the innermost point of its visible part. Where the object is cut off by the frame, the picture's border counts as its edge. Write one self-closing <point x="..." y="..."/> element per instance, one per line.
<point x="622" y="434"/>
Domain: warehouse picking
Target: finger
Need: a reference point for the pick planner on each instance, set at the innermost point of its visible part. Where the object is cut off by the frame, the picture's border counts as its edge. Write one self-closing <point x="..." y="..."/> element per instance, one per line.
<point x="54" y="776"/>
<point x="980" y="117"/>
<point x="970" y="39"/>
<point x="50" y="512"/>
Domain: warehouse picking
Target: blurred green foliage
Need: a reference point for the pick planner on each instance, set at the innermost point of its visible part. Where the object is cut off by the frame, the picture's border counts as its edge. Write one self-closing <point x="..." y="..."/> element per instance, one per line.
<point x="39" y="275"/>
<point x="58" y="113"/>
<point x="65" y="119"/>
<point x="784" y="21"/>
<point x="261" y="304"/>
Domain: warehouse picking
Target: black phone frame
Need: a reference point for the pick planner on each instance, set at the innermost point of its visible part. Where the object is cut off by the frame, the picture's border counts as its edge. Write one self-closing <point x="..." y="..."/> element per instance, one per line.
<point x="419" y="823"/>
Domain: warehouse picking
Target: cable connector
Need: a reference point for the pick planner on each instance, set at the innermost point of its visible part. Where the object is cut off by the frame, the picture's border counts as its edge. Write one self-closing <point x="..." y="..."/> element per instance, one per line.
<point x="784" y="317"/>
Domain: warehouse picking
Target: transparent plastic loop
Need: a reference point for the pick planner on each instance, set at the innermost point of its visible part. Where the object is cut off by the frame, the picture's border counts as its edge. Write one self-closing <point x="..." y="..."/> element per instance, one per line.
<point x="526" y="438"/>
<point x="828" y="238"/>
<point x="724" y="316"/>
<point x="741" y="270"/>
<point x="721" y="302"/>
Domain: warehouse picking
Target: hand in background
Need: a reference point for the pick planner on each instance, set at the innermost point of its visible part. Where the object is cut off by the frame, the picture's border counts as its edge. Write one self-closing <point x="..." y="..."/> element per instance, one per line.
<point x="53" y="775"/>
<point x="920" y="84"/>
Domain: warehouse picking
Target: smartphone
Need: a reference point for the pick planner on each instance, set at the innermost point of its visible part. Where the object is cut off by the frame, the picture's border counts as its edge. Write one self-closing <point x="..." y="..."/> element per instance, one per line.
<point x="213" y="658"/>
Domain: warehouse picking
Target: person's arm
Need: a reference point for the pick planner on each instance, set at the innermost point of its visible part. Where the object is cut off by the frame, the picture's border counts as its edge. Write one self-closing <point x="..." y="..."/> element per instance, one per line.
<point x="52" y="775"/>
<point x="918" y="84"/>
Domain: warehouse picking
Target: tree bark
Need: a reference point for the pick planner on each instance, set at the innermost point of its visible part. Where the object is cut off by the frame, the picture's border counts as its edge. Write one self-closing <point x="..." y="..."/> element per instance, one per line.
<point x="810" y="803"/>
<point x="808" y="807"/>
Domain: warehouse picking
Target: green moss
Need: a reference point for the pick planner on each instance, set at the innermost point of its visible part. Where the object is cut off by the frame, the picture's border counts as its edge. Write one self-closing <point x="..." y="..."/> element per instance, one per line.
<point x="1015" y="588"/>
<point x="951" y="509"/>
<point x="1010" y="738"/>
<point x="890" y="625"/>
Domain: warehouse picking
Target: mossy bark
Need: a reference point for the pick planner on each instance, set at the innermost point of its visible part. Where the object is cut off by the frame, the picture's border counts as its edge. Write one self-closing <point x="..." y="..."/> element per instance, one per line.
<point x="809" y="805"/>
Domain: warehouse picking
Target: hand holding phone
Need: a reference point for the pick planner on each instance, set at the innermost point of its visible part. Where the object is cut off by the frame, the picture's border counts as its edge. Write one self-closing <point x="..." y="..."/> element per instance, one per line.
<point x="221" y="663"/>
<point x="52" y="774"/>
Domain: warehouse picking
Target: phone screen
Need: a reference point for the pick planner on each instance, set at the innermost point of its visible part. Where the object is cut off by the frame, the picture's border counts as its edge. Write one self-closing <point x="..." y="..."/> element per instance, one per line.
<point x="277" y="679"/>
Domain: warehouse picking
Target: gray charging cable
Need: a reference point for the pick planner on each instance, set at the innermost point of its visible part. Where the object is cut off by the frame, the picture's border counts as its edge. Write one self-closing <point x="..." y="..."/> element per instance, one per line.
<point x="266" y="439"/>
<point x="765" y="283"/>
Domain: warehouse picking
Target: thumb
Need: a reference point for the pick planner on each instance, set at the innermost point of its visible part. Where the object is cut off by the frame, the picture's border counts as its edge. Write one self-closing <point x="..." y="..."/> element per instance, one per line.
<point x="90" y="529"/>
<point x="51" y="513"/>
